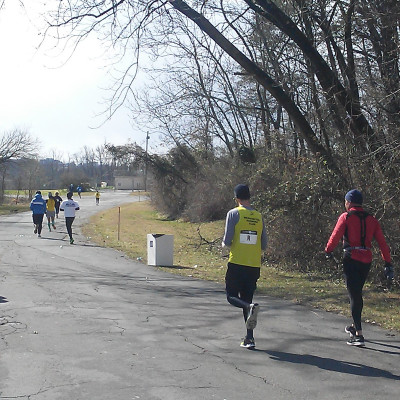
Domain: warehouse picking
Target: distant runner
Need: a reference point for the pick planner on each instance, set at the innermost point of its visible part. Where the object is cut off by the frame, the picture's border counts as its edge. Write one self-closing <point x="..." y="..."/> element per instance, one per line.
<point x="357" y="228"/>
<point x="97" y="197"/>
<point x="38" y="207"/>
<point x="246" y="237"/>
<point x="69" y="207"/>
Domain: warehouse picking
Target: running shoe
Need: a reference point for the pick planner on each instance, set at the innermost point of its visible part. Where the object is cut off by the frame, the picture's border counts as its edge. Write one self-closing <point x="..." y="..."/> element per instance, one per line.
<point x="39" y="235"/>
<point x="71" y="241"/>
<point x="350" y="330"/>
<point x="248" y="343"/>
<point x="356" y="340"/>
<point x="54" y="227"/>
<point x="251" y="321"/>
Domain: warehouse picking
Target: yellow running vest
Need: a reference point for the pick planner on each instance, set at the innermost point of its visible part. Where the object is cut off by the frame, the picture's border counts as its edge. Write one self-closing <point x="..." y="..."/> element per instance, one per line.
<point x="51" y="204"/>
<point x="246" y="243"/>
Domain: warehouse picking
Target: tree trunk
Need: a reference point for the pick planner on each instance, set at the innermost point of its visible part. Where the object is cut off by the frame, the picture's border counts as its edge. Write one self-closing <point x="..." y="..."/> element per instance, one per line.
<point x="263" y="79"/>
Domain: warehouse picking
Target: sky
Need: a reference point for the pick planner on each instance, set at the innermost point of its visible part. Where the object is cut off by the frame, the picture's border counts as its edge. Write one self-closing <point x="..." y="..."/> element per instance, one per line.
<point x="60" y="103"/>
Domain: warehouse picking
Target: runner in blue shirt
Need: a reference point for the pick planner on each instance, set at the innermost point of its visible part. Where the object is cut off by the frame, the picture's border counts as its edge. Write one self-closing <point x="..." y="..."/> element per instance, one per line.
<point x="38" y="207"/>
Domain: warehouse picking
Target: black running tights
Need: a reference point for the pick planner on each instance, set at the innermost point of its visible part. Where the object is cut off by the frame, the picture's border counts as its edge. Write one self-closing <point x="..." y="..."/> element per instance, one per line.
<point x="68" y="223"/>
<point x="241" y="282"/>
<point x="38" y="221"/>
<point x="355" y="274"/>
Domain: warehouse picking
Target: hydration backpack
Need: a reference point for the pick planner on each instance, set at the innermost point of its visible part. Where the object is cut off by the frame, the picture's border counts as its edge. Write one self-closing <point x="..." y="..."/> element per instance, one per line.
<point x="362" y="215"/>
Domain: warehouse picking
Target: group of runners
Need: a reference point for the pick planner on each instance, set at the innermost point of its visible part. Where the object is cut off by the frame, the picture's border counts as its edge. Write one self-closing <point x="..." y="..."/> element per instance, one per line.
<point x="245" y="236"/>
<point x="51" y="208"/>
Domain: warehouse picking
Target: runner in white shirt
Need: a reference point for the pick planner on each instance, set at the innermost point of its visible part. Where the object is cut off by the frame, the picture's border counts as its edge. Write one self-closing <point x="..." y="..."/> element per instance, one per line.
<point x="69" y="207"/>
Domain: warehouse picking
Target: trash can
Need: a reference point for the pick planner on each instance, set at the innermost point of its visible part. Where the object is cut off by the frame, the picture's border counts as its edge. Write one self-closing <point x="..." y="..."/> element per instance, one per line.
<point x="160" y="249"/>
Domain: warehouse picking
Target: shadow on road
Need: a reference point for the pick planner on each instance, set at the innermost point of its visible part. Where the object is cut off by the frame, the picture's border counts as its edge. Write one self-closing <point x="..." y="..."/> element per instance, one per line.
<point x="330" y="364"/>
<point x="66" y="240"/>
<point x="391" y="346"/>
<point x="50" y="238"/>
<point x="174" y="267"/>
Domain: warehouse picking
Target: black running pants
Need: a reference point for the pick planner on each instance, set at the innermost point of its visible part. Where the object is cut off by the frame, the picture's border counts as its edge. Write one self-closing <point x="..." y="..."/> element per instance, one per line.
<point x="355" y="274"/>
<point x="68" y="223"/>
<point x="38" y="221"/>
<point x="240" y="284"/>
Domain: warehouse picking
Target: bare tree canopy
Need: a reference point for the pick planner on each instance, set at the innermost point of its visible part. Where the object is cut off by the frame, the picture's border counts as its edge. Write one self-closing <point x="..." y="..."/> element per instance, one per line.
<point x="332" y="66"/>
<point x="17" y="144"/>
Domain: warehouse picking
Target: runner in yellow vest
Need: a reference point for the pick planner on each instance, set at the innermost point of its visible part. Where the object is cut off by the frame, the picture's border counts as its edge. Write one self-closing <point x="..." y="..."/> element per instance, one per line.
<point x="51" y="211"/>
<point x="97" y="197"/>
<point x="246" y="236"/>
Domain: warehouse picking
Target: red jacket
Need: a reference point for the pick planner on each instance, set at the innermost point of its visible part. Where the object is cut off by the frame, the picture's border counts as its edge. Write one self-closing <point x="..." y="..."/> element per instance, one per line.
<point x="349" y="226"/>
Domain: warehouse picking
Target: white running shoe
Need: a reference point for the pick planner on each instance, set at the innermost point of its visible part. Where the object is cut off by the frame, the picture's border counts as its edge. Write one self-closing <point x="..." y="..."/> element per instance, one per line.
<point x="357" y="340"/>
<point x="248" y="343"/>
<point x="350" y="330"/>
<point x="251" y="321"/>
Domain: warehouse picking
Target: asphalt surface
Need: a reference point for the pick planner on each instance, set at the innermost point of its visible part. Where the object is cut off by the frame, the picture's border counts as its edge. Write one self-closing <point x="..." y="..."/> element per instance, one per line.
<point x="84" y="322"/>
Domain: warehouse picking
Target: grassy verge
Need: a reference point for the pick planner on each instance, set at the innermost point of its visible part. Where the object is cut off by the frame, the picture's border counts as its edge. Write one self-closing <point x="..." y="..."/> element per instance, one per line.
<point x="13" y="204"/>
<point x="195" y="256"/>
<point x="25" y="193"/>
<point x="6" y="209"/>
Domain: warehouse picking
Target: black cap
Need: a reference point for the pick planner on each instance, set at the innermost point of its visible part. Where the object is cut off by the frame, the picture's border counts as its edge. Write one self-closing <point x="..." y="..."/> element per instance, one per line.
<point x="69" y="195"/>
<point x="242" y="192"/>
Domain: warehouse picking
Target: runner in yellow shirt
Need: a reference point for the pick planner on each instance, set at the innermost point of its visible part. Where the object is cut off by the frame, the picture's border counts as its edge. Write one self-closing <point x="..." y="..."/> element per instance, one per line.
<point x="51" y="211"/>
<point x="97" y="197"/>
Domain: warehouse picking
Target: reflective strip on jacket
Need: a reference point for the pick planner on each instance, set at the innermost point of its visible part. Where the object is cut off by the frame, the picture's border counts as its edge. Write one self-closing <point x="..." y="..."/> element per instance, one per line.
<point x="38" y="205"/>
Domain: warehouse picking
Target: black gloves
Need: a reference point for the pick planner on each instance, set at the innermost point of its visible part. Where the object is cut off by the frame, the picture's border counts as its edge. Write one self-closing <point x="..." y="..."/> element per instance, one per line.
<point x="389" y="271"/>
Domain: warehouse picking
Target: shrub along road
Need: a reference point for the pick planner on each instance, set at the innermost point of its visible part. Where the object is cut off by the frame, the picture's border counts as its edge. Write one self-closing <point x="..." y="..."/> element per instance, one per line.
<point x="85" y="322"/>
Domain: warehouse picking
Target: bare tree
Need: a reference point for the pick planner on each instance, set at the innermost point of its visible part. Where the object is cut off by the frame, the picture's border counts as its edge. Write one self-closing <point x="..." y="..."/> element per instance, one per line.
<point x="17" y="144"/>
<point x="136" y="17"/>
<point x="102" y="161"/>
<point x="31" y="175"/>
<point x="14" y="145"/>
<point x="337" y="54"/>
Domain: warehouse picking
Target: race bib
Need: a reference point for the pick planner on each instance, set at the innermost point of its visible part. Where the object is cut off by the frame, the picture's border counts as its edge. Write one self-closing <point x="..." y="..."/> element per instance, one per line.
<point x="248" y="237"/>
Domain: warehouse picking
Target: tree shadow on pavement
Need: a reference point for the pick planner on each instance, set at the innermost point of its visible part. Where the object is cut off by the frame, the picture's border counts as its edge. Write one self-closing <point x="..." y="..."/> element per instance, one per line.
<point x="66" y="241"/>
<point x="50" y="238"/>
<point x="330" y="364"/>
<point x="391" y="346"/>
<point x="172" y="267"/>
<point x="87" y="244"/>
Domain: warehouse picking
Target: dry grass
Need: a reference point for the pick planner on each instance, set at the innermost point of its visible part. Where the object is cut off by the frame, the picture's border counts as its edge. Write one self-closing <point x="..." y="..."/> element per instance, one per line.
<point x="10" y="205"/>
<point x="195" y="256"/>
<point x="6" y="209"/>
<point x="139" y="219"/>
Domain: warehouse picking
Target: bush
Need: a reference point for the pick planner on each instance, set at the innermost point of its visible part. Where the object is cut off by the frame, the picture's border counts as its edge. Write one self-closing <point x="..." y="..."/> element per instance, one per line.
<point x="300" y="200"/>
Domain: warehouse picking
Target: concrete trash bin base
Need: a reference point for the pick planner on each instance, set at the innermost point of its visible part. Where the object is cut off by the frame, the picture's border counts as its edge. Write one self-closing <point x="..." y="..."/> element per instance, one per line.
<point x="160" y="249"/>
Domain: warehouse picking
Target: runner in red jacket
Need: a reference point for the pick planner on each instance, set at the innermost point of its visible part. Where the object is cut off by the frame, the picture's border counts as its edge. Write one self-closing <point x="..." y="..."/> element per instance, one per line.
<point x="357" y="228"/>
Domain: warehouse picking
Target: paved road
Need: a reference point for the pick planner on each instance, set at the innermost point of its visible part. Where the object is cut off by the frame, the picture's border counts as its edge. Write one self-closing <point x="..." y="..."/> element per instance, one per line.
<point x="85" y="322"/>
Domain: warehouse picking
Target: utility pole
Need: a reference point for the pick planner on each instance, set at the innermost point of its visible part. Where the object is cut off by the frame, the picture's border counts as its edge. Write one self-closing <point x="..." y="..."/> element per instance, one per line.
<point x="145" y="165"/>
